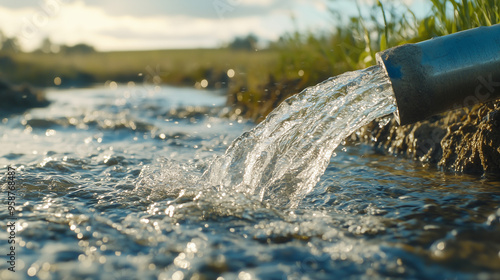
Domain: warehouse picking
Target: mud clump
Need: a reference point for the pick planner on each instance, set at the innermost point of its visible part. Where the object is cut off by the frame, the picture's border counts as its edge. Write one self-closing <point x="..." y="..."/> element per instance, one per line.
<point x="17" y="99"/>
<point x="466" y="140"/>
<point x="473" y="146"/>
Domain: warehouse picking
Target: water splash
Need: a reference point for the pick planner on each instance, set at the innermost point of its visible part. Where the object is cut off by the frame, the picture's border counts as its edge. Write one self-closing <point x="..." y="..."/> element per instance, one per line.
<point x="283" y="157"/>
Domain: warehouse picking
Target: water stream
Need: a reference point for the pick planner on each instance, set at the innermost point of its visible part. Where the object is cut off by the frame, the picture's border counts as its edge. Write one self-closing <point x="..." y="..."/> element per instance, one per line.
<point x="146" y="182"/>
<point x="283" y="158"/>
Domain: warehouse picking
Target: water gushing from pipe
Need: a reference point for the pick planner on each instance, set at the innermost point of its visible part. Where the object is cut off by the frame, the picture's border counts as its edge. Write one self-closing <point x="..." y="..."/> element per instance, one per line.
<point x="282" y="158"/>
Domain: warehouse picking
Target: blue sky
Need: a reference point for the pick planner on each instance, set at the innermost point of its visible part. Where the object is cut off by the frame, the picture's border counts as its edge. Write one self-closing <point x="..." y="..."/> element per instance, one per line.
<point x="162" y="24"/>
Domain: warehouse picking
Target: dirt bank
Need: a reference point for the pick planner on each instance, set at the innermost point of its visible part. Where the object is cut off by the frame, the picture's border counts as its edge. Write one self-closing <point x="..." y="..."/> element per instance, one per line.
<point x="466" y="140"/>
<point x="17" y="99"/>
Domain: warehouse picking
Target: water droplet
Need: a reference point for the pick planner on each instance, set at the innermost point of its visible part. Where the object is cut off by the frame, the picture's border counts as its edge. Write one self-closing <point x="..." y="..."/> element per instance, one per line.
<point x="32" y="271"/>
<point x="113" y="85"/>
<point x="244" y="276"/>
<point x="178" y="275"/>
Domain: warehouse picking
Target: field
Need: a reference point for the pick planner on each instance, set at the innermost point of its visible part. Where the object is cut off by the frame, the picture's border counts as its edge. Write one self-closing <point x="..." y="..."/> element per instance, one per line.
<point x="176" y="67"/>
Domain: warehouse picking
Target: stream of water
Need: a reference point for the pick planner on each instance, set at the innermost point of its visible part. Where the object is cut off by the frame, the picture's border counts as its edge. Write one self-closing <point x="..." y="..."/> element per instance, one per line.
<point x="146" y="182"/>
<point x="283" y="158"/>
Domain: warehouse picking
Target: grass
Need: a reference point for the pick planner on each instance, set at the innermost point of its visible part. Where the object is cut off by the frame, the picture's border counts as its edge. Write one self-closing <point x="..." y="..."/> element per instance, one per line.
<point x="176" y="67"/>
<point x="451" y="16"/>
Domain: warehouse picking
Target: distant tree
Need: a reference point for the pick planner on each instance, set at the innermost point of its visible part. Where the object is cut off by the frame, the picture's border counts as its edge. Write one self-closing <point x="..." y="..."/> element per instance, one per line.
<point x="278" y="44"/>
<point x="77" y="49"/>
<point x="9" y="45"/>
<point x="244" y="43"/>
<point x="46" y="46"/>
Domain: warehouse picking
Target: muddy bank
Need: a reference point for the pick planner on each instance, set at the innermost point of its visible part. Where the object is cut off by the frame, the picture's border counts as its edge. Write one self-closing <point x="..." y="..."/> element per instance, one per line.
<point x="17" y="99"/>
<point x="466" y="140"/>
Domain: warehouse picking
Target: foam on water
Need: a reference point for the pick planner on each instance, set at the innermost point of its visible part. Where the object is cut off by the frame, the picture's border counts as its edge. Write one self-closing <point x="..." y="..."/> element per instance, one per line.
<point x="283" y="158"/>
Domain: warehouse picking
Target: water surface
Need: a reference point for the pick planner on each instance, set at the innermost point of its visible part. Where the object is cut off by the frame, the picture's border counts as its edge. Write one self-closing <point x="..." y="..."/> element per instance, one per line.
<point x="111" y="186"/>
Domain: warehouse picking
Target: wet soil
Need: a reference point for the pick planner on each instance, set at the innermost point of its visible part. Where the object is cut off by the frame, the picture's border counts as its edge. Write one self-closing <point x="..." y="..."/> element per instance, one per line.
<point x="465" y="140"/>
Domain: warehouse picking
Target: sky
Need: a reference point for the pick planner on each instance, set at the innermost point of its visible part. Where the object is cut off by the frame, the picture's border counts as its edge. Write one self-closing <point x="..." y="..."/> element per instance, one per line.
<point x="162" y="24"/>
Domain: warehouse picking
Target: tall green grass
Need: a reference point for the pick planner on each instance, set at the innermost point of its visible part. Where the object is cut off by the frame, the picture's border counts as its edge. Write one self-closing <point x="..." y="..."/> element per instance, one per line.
<point x="450" y="16"/>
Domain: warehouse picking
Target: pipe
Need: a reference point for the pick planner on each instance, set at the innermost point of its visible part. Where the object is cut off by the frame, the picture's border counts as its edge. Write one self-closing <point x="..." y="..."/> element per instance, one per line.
<point x="444" y="73"/>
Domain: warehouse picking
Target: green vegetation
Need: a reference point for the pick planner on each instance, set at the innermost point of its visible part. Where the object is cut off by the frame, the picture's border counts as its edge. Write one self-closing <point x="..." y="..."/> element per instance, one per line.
<point x="175" y="67"/>
<point x="262" y="79"/>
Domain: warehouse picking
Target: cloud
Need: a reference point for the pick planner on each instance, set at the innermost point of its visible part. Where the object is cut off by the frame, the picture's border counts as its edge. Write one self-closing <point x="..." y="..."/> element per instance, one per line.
<point x="191" y="8"/>
<point x="149" y="24"/>
<point x="194" y="8"/>
<point x="18" y="4"/>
